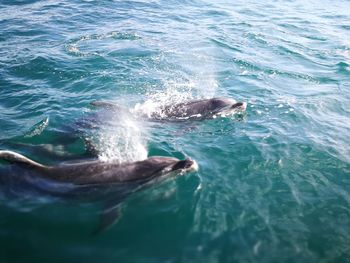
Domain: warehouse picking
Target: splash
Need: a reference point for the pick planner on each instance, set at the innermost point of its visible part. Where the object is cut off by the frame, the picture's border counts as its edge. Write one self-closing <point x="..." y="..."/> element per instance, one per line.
<point x="175" y="92"/>
<point x="156" y="100"/>
<point x="38" y="128"/>
<point x="121" y="140"/>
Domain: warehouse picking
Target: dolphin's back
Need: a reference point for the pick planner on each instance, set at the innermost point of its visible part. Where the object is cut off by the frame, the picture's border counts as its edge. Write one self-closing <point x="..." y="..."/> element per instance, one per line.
<point x="94" y="172"/>
<point x="14" y="157"/>
<point x="186" y="109"/>
<point x="85" y="172"/>
<point x="196" y="108"/>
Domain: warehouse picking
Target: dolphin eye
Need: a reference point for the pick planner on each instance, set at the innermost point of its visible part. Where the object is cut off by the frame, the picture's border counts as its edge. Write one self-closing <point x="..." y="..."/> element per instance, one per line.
<point x="236" y="105"/>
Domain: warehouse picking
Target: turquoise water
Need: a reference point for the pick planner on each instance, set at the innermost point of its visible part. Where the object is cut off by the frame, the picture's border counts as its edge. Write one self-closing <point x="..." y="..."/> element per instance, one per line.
<point x="273" y="184"/>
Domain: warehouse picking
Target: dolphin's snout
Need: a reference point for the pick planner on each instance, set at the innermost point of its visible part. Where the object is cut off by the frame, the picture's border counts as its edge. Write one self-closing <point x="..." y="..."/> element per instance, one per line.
<point x="186" y="165"/>
<point x="191" y="165"/>
<point x="239" y="106"/>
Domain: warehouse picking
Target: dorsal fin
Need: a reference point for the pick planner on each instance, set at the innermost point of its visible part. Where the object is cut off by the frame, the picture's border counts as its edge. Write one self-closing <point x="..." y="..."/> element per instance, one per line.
<point x="14" y="157"/>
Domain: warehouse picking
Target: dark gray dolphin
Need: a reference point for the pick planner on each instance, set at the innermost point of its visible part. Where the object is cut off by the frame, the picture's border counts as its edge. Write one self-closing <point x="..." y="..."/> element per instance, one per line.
<point x="92" y="179"/>
<point x="200" y="109"/>
<point x="190" y="110"/>
<point x="87" y="172"/>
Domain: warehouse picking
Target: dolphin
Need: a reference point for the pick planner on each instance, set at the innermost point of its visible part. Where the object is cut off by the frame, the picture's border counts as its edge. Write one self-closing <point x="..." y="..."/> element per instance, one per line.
<point x="90" y="177"/>
<point x="191" y="110"/>
<point x="88" y="172"/>
<point x="200" y="109"/>
<point x="112" y="116"/>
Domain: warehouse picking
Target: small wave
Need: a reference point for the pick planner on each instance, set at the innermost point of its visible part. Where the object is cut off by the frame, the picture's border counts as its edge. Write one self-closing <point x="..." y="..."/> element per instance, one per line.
<point x="86" y="46"/>
<point x="251" y="67"/>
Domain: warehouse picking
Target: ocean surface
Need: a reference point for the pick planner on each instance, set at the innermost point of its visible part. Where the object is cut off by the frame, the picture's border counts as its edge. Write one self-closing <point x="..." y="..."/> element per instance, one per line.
<point x="273" y="184"/>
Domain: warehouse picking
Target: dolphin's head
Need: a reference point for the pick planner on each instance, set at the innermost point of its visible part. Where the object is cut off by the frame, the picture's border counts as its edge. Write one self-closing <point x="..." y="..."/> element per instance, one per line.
<point x="184" y="166"/>
<point x="225" y="106"/>
<point x="158" y="166"/>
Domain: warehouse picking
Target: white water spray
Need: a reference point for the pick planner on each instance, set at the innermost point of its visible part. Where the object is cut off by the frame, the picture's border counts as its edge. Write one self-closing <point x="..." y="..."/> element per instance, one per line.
<point x="123" y="139"/>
